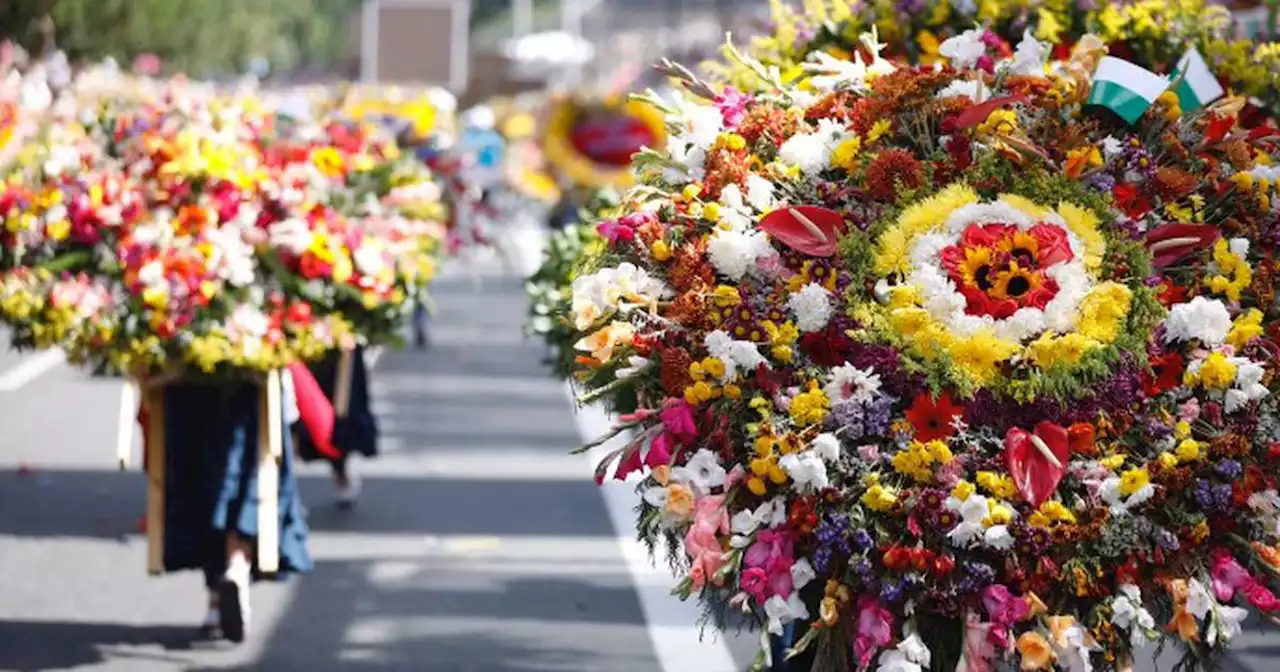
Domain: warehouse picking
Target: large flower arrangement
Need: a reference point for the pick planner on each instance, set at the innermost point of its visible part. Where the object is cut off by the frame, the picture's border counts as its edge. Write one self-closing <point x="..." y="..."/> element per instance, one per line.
<point x="193" y="233"/>
<point x="979" y="366"/>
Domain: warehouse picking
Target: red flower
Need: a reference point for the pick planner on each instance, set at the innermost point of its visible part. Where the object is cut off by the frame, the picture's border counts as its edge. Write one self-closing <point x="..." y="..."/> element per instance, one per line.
<point x="1170" y="293"/>
<point x="826" y="348"/>
<point x="1080" y="438"/>
<point x="1131" y="201"/>
<point x="932" y="419"/>
<point x="897" y="558"/>
<point x="1166" y="373"/>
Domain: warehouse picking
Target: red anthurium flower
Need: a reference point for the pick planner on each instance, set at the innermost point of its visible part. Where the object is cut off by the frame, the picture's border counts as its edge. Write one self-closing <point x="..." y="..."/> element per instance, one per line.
<point x="1037" y="460"/>
<point x="932" y="419"/>
<point x="809" y="229"/>
<point x="1171" y="242"/>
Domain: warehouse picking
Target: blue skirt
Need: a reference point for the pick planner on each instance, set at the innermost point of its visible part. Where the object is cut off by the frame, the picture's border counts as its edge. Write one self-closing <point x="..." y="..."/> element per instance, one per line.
<point x="211" y="485"/>
<point x="358" y="432"/>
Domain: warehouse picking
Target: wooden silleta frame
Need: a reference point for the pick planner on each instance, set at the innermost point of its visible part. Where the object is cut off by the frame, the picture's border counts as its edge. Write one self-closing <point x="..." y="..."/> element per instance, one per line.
<point x="416" y="42"/>
<point x="270" y="452"/>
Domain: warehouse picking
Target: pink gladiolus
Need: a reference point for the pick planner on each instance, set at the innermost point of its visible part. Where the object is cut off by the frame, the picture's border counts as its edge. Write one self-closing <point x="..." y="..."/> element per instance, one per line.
<point x="1228" y="576"/>
<point x="875" y="629"/>
<point x="659" y="451"/>
<point x="1004" y="608"/>
<point x="978" y="650"/>
<point x="779" y="571"/>
<point x="702" y="542"/>
<point x="677" y="417"/>
<point x="755" y="582"/>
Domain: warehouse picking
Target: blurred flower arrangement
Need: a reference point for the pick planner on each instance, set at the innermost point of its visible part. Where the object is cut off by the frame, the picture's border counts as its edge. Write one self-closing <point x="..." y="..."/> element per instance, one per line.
<point x="570" y="251"/>
<point x="979" y="352"/>
<point x="591" y="145"/>
<point x="200" y="233"/>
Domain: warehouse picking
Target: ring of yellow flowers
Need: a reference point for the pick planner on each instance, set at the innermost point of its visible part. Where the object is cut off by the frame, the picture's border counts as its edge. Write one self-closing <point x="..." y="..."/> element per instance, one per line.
<point x="1115" y="312"/>
<point x="580" y="170"/>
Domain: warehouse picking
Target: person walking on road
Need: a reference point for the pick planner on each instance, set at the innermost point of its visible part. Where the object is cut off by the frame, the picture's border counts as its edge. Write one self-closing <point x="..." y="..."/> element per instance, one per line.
<point x="211" y="497"/>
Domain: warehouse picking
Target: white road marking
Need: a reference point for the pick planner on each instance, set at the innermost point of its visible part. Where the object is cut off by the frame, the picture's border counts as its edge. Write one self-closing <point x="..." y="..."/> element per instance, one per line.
<point x="679" y="648"/>
<point x="372" y="356"/>
<point x="29" y="369"/>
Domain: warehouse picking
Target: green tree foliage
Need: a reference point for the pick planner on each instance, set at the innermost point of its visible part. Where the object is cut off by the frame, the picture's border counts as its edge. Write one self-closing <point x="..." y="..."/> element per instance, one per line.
<point x="201" y="37"/>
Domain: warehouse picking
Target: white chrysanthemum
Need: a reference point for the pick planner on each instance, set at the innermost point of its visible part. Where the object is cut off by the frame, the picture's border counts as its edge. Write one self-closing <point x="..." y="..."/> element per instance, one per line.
<point x="733" y="252"/>
<point x="1205" y="320"/>
<point x="760" y="193"/>
<point x="807" y="470"/>
<point x="812" y="307"/>
<point x="811" y="152"/>
<point x="849" y="383"/>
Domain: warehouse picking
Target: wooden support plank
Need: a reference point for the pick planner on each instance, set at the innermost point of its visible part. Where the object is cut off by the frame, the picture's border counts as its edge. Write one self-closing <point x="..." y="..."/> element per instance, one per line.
<point x="270" y="442"/>
<point x="342" y="384"/>
<point x="128" y="418"/>
<point x="156" y="459"/>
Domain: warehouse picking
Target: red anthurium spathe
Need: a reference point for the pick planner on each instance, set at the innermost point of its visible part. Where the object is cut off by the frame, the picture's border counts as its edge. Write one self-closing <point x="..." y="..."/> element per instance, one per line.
<point x="1172" y="242"/>
<point x="1037" y="460"/>
<point x="809" y="229"/>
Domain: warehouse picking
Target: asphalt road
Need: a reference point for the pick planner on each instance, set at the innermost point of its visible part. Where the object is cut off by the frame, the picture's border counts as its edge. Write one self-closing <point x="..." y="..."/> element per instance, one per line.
<point x="479" y="545"/>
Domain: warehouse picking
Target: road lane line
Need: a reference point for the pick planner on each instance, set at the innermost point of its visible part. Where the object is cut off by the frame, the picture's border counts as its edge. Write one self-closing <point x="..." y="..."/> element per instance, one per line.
<point x="30" y="369"/>
<point x="679" y="648"/>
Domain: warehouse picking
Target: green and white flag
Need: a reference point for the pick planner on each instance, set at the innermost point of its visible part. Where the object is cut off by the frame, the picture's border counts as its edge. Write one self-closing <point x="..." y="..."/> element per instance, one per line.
<point x="1194" y="82"/>
<point x="1125" y="88"/>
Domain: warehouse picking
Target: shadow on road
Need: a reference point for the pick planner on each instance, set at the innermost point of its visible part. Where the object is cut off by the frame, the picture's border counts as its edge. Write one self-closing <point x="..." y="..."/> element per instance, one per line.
<point x="30" y="645"/>
<point x="108" y="505"/>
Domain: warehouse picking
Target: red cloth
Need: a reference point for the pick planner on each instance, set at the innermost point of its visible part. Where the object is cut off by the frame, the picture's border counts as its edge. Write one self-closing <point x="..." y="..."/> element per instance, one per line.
<point x="315" y="409"/>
